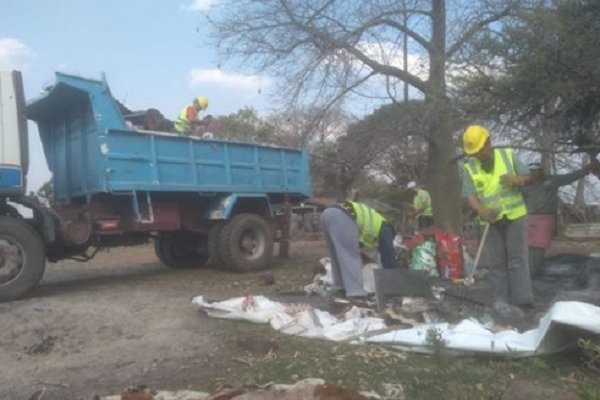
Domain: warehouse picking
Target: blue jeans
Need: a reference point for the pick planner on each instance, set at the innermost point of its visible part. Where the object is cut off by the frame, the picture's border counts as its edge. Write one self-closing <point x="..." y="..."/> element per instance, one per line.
<point x="386" y="246"/>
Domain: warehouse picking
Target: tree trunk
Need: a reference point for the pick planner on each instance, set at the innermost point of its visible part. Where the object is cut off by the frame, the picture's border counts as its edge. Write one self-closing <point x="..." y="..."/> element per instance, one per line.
<point x="445" y="188"/>
<point x="579" y="201"/>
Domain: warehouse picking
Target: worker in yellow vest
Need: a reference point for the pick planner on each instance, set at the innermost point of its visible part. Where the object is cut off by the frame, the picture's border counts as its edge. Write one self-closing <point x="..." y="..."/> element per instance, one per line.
<point x="187" y="119"/>
<point x="491" y="183"/>
<point x="420" y="208"/>
<point x="348" y="226"/>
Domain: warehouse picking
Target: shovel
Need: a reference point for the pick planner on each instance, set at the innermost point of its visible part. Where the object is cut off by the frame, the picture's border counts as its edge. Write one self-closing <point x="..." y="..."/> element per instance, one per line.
<point x="469" y="280"/>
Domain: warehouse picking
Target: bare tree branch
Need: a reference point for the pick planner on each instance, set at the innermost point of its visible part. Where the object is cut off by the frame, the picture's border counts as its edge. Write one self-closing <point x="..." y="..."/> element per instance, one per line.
<point x="474" y="29"/>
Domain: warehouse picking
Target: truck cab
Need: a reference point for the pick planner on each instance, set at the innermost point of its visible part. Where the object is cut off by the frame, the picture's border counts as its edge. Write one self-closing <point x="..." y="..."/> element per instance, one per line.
<point x="13" y="135"/>
<point x="22" y="257"/>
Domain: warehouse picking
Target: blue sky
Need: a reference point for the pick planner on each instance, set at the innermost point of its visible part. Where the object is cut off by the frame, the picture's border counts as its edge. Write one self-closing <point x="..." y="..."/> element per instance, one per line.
<point x="154" y="54"/>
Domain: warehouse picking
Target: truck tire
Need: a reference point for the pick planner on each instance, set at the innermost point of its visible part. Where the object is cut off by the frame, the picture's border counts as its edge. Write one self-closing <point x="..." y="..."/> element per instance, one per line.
<point x="246" y="243"/>
<point x="22" y="258"/>
<point x="182" y="249"/>
<point x="214" y="240"/>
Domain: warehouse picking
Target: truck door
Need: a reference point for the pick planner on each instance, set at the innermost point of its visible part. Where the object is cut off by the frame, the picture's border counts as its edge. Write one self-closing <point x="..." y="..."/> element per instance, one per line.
<point x="13" y="134"/>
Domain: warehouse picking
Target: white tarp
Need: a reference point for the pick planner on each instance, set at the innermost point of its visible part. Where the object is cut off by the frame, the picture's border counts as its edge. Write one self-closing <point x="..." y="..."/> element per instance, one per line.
<point x="557" y="329"/>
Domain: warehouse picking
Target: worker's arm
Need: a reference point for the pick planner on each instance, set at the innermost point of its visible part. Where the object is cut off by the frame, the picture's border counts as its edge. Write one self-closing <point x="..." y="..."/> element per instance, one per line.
<point x="567" y="179"/>
<point x="468" y="192"/>
<point x="191" y="113"/>
<point x="474" y="204"/>
<point x="521" y="177"/>
<point x="320" y="202"/>
<point x="517" y="180"/>
<point x="486" y="214"/>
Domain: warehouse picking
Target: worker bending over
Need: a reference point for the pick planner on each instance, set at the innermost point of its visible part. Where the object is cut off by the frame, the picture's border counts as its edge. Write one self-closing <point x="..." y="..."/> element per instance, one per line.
<point x="492" y="179"/>
<point x="348" y="226"/>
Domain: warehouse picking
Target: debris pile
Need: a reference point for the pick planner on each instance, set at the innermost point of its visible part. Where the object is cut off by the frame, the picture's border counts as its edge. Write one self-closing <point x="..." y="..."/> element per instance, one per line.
<point x="408" y="306"/>
<point x="306" y="389"/>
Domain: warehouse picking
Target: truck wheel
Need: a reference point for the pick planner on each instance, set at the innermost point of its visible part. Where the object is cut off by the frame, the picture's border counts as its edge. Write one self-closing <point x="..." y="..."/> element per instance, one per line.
<point x="214" y="240"/>
<point x="182" y="249"/>
<point x="22" y="258"/>
<point x="246" y="243"/>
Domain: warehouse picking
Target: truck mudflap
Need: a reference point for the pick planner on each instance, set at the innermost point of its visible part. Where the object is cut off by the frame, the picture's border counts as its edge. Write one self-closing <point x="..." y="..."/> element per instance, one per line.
<point x="46" y="219"/>
<point x="221" y="207"/>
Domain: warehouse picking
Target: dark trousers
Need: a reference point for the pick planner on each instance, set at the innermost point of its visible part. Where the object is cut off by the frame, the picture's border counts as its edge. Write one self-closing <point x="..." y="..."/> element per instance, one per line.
<point x="536" y="259"/>
<point x="505" y="252"/>
<point x="386" y="246"/>
<point x="424" y="222"/>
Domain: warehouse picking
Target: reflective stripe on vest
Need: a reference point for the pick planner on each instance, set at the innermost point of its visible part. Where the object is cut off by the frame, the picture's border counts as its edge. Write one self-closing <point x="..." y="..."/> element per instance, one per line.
<point x="182" y="124"/>
<point x="369" y="224"/>
<point x="491" y="193"/>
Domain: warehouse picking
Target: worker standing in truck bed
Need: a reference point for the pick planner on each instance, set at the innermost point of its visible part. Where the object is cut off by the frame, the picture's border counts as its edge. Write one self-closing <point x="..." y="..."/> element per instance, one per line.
<point x="187" y="119"/>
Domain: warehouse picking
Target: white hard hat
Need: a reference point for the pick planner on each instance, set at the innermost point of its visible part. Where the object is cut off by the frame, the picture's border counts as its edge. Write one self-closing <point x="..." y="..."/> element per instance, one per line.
<point x="411" y="185"/>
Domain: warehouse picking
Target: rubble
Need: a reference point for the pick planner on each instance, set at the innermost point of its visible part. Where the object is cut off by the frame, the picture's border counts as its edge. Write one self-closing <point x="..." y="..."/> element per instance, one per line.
<point x="408" y="304"/>
<point x="306" y="389"/>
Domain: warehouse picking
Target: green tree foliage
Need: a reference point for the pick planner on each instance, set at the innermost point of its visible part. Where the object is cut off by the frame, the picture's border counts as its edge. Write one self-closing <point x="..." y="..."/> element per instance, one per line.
<point x="541" y="73"/>
<point x="244" y="125"/>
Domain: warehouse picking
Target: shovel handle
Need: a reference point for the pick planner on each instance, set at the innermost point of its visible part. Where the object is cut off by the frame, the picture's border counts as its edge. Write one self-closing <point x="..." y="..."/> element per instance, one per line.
<point x="479" y="250"/>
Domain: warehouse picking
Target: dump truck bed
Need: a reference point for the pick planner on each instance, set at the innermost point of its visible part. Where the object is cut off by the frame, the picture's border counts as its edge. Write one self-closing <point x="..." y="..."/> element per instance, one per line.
<point x="90" y="149"/>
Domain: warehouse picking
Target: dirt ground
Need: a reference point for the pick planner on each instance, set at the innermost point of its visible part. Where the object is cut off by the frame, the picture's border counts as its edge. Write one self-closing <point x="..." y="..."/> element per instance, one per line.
<point x="121" y="319"/>
<point x="125" y="319"/>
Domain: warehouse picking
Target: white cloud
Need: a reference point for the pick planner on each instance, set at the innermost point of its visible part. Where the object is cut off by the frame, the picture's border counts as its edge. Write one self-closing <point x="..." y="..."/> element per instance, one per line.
<point x="203" y="77"/>
<point x="199" y="5"/>
<point x="14" y="54"/>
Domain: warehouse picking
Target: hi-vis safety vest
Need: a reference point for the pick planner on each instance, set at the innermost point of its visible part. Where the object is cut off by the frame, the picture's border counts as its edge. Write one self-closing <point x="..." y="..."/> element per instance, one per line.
<point x="417" y="203"/>
<point x="369" y="224"/>
<point x="491" y="193"/>
<point x="182" y="124"/>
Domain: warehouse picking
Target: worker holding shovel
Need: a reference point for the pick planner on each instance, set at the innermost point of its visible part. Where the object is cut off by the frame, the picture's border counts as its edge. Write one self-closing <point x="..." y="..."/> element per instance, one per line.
<point x="491" y="182"/>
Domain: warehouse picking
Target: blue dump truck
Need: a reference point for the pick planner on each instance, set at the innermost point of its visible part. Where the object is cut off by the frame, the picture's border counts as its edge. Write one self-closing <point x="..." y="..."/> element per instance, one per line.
<point x="114" y="185"/>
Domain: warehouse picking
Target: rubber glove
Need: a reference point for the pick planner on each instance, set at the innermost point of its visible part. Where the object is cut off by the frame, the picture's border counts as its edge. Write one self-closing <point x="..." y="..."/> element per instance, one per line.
<point x="510" y="180"/>
<point x="489" y="214"/>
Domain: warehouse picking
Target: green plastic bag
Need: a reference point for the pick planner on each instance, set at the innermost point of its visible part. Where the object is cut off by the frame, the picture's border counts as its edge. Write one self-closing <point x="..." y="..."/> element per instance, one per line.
<point x="423" y="258"/>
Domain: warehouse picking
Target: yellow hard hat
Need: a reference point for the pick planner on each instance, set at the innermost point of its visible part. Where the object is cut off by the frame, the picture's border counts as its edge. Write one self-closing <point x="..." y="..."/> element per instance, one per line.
<point x="202" y="102"/>
<point x="474" y="138"/>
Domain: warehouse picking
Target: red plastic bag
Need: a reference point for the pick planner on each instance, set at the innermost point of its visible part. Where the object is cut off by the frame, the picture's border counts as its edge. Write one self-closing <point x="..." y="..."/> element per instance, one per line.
<point x="450" y="259"/>
<point x="413" y="241"/>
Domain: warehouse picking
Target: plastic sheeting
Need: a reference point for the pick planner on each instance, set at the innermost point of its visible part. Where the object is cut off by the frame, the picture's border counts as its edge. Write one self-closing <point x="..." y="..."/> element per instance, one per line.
<point x="558" y="329"/>
<point x="310" y="322"/>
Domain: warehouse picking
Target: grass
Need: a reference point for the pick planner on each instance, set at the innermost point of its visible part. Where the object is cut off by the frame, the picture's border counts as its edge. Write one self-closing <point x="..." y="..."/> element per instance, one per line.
<point x="369" y="367"/>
